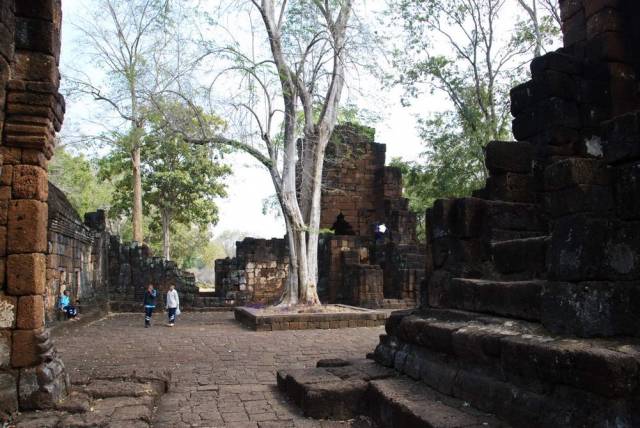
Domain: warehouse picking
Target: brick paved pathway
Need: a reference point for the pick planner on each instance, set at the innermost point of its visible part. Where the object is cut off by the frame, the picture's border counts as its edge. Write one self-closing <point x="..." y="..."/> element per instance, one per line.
<point x="222" y="374"/>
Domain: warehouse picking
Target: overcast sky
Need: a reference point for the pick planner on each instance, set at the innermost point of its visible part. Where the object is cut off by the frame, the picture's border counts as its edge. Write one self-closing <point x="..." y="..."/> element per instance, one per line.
<point x="250" y="184"/>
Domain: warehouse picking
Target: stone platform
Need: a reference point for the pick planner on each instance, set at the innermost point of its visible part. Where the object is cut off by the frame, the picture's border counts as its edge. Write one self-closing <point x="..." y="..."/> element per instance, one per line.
<point x="349" y="316"/>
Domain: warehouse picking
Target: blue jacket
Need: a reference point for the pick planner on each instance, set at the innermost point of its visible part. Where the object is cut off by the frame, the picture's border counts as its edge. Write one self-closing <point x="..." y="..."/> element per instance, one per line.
<point x="64" y="301"/>
<point x="150" y="298"/>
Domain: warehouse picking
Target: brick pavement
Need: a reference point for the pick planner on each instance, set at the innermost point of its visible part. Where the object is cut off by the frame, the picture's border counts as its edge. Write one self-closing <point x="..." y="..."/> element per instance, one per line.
<point x="223" y="375"/>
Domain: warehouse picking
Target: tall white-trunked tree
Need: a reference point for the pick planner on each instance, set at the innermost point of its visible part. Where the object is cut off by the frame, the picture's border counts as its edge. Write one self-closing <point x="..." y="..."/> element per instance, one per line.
<point x="294" y="106"/>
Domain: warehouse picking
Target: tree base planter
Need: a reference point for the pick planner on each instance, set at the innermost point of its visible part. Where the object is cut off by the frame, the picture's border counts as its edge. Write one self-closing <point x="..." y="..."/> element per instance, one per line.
<point x="332" y="316"/>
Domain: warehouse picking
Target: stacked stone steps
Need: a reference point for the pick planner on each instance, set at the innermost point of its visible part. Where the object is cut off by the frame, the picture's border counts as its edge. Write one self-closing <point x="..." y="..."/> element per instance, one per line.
<point x="517" y="299"/>
<point x="404" y="403"/>
<point x="516" y="369"/>
<point x="341" y="390"/>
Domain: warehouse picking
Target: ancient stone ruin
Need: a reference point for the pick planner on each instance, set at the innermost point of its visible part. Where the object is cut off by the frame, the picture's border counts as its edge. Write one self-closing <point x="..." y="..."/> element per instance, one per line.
<point x="101" y="272"/>
<point x="31" y="111"/>
<point x="357" y="265"/>
<point x="530" y="311"/>
<point x="256" y="275"/>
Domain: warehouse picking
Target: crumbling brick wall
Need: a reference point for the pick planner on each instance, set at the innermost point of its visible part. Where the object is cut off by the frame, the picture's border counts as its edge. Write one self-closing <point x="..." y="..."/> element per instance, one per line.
<point x="76" y="258"/>
<point x="256" y="275"/>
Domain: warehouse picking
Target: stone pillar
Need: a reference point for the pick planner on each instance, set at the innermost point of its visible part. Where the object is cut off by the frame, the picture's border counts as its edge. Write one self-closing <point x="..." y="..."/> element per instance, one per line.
<point x="31" y="111"/>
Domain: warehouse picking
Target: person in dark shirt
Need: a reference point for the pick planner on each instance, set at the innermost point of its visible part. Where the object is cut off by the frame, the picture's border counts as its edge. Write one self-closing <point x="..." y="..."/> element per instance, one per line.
<point x="150" y="297"/>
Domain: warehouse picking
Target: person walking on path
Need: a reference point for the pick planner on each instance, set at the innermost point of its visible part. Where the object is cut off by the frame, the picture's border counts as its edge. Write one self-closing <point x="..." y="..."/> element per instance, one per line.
<point x="173" y="304"/>
<point x="150" y="297"/>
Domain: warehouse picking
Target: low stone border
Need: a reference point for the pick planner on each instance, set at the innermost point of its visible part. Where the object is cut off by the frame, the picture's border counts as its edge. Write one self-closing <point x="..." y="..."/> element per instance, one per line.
<point x="356" y="317"/>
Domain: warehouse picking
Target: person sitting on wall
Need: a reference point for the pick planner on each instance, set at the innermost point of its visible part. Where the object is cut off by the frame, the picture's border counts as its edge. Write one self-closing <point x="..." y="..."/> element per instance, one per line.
<point x="66" y="306"/>
<point x="342" y="227"/>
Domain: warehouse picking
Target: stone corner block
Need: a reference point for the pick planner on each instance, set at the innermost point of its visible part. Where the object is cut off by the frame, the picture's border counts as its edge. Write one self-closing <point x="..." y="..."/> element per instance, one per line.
<point x="24" y="348"/>
<point x="30" y="182"/>
<point x="26" y="274"/>
<point x="30" y="312"/>
<point x="27" y="231"/>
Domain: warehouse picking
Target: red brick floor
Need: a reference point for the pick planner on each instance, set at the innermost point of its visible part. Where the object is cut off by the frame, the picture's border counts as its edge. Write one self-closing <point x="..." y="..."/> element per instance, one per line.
<point x="222" y="374"/>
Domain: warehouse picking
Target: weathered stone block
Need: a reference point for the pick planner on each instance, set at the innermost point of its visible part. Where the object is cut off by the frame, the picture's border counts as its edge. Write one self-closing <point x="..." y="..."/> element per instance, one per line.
<point x="8" y="309"/>
<point x="5" y="350"/>
<point x="504" y="156"/>
<point x="24" y="351"/>
<point x="609" y="47"/>
<point x="580" y="198"/>
<point x="30" y="312"/>
<point x="35" y="157"/>
<point x="8" y="392"/>
<point x="576" y="171"/>
<point x="11" y="155"/>
<point x="627" y="189"/>
<point x="5" y="193"/>
<point x="590" y="309"/>
<point x="574" y="28"/>
<point x="568" y="8"/>
<point x="35" y="66"/>
<point x="511" y="187"/>
<point x="548" y="113"/>
<point x="7" y="175"/>
<point x="35" y="35"/>
<point x="584" y="248"/>
<point x="26" y="274"/>
<point x="521" y="255"/>
<point x="604" y="20"/>
<point x="30" y="182"/>
<point x="41" y="9"/>
<point x="27" y="227"/>
<point x="4" y="212"/>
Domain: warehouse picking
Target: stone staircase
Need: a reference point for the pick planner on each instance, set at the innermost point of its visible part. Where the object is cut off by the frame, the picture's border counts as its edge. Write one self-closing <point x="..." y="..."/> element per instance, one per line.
<point x="344" y="390"/>
<point x="516" y="369"/>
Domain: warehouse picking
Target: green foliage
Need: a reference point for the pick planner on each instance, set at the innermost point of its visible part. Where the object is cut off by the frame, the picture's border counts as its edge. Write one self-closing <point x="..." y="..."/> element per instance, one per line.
<point x="180" y="180"/>
<point x="76" y="176"/>
<point x="454" y="49"/>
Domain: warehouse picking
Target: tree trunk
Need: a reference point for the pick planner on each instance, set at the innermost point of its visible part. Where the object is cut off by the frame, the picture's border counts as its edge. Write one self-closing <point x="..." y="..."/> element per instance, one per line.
<point x="290" y="294"/>
<point x="137" y="195"/>
<point x="166" y="235"/>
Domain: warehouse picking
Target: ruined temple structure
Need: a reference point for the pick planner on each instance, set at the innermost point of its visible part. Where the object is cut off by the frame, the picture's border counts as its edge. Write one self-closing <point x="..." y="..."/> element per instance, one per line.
<point x="257" y="274"/>
<point x="363" y="266"/>
<point x="533" y="284"/>
<point x="357" y="265"/>
<point x="529" y="316"/>
<point x="101" y="272"/>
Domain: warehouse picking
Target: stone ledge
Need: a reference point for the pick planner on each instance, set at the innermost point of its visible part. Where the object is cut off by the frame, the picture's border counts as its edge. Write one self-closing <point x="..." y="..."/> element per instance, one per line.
<point x="355" y="317"/>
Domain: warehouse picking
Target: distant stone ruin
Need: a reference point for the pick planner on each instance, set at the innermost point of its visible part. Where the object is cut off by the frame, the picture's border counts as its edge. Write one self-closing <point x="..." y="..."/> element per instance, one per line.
<point x="361" y="266"/>
<point x="256" y="275"/>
